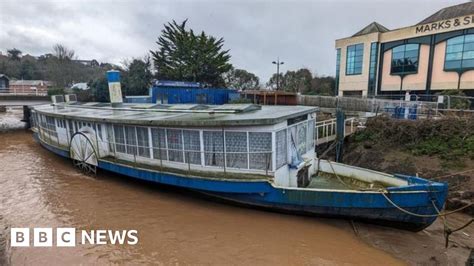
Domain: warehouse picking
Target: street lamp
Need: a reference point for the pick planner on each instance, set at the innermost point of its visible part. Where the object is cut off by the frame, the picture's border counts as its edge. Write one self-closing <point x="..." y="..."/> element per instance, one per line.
<point x="278" y="63"/>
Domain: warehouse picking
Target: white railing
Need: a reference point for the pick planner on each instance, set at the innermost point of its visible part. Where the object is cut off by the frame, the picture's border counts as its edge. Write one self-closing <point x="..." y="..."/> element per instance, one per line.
<point x="326" y="129"/>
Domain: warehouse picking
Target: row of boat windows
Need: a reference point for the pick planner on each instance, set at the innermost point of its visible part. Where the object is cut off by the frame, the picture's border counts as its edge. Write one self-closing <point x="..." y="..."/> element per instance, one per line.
<point x="243" y="150"/>
<point x="249" y="150"/>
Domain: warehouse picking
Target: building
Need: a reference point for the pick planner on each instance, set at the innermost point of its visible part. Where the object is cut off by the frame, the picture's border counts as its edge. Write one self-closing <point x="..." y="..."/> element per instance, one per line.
<point x="92" y="62"/>
<point x="434" y="55"/>
<point x="270" y="97"/>
<point x="4" y="83"/>
<point x="174" y="92"/>
<point x="80" y="86"/>
<point x="30" y="86"/>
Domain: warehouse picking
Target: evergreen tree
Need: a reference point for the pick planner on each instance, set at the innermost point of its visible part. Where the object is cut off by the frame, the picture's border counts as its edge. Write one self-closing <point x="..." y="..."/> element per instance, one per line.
<point x="186" y="56"/>
<point x="137" y="77"/>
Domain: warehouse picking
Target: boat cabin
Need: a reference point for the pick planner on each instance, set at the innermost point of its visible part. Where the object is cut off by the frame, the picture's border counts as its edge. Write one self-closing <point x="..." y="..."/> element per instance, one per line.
<point x="231" y="141"/>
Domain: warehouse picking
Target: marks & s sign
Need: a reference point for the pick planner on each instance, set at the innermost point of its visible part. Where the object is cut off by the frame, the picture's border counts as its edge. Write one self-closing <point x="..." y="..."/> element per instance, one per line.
<point x="462" y="22"/>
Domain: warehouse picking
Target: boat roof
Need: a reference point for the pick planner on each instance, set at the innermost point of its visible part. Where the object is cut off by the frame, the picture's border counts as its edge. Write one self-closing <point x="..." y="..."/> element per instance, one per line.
<point x="182" y="115"/>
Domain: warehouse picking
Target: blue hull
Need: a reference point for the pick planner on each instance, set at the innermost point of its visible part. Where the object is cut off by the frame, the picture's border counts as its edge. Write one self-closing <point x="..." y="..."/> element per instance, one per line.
<point x="418" y="197"/>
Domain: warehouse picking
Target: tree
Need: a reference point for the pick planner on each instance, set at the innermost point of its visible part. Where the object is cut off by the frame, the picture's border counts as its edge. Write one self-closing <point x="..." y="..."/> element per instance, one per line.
<point x="297" y="81"/>
<point x="28" y="69"/>
<point x="137" y="77"/>
<point x="323" y="85"/>
<point x="272" y="82"/>
<point x="302" y="81"/>
<point x="99" y="89"/>
<point x="14" y="54"/>
<point x="241" y="79"/>
<point x="61" y="52"/>
<point x="183" y="55"/>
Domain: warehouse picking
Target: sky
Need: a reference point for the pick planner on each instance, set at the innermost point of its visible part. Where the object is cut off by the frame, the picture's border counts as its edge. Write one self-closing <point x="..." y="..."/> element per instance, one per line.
<point x="300" y="33"/>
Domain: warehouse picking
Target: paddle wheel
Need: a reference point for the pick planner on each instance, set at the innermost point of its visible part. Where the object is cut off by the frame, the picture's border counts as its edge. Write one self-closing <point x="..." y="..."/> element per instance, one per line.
<point x="83" y="152"/>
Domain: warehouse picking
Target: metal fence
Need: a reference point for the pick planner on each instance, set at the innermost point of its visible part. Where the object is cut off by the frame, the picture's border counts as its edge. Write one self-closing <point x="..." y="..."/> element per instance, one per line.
<point x="326" y="129"/>
<point x="426" y="105"/>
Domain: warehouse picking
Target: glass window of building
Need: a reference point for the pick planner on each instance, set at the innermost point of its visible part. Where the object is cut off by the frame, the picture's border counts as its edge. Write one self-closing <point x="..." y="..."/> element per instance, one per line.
<point x="405" y="59"/>
<point x="372" y="67"/>
<point x="338" y="64"/>
<point x="460" y="53"/>
<point x="354" y="58"/>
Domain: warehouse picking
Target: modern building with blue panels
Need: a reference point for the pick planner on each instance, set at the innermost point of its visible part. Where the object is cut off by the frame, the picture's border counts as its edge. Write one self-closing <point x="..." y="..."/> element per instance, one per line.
<point x="175" y="92"/>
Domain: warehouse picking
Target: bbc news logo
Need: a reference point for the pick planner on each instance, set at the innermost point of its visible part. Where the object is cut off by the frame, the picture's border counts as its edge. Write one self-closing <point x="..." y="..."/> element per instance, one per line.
<point x="66" y="237"/>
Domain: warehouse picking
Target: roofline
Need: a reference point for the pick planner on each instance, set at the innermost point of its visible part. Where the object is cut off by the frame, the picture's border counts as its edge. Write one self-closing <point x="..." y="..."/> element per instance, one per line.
<point x="180" y="123"/>
<point x="444" y="8"/>
<point x="345" y="38"/>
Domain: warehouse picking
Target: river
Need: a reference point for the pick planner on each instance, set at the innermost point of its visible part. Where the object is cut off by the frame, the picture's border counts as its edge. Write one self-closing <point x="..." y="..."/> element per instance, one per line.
<point x="39" y="189"/>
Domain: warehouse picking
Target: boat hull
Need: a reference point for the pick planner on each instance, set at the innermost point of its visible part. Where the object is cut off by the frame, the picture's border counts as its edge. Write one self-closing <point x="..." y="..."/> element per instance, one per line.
<point x="369" y="206"/>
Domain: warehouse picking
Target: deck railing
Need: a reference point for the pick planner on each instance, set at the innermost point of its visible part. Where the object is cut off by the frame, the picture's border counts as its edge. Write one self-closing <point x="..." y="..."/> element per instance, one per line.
<point x="326" y="129"/>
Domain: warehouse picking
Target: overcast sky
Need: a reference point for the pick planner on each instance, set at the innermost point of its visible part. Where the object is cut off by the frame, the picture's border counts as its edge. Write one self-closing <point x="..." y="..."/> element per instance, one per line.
<point x="301" y="33"/>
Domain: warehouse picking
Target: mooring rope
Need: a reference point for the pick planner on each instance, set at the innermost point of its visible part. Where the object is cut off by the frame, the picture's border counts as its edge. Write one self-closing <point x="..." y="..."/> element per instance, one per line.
<point x="425" y="215"/>
<point x="462" y="172"/>
<point x="385" y="192"/>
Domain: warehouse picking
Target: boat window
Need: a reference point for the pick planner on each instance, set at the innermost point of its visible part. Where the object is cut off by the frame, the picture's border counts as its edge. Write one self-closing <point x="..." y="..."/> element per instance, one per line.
<point x="236" y="149"/>
<point x="301" y="138"/>
<point x="143" y="142"/>
<point x="61" y="123"/>
<point x="260" y="146"/>
<point x="310" y="136"/>
<point x="71" y="128"/>
<point x="192" y="146"/>
<point x="213" y="148"/>
<point x="281" y="148"/>
<point x="51" y="126"/>
<point x="158" y="138"/>
<point x="119" y="139"/>
<point x="99" y="130"/>
<point x="175" y="144"/>
<point x="131" y="140"/>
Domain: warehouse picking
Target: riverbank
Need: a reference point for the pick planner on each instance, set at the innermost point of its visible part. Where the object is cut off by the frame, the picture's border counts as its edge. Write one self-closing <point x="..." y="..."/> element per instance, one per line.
<point x="439" y="150"/>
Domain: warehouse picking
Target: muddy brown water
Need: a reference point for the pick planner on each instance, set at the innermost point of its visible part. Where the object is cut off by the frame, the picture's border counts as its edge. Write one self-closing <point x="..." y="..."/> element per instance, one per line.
<point x="39" y="189"/>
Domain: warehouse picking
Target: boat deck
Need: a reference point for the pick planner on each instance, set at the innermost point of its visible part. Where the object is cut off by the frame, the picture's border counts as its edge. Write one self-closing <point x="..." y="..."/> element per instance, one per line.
<point x="329" y="181"/>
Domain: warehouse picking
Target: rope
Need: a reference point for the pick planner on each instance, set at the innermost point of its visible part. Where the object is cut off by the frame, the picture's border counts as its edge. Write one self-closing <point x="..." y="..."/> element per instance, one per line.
<point x="443" y="176"/>
<point x="338" y="178"/>
<point x="383" y="192"/>
<point x="425" y="215"/>
<point x="448" y="231"/>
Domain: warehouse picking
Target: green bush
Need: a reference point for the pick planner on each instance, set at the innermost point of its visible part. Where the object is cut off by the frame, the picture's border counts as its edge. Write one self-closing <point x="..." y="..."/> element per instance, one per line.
<point x="241" y="100"/>
<point x="55" y="91"/>
<point x="457" y="102"/>
<point x="449" y="138"/>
